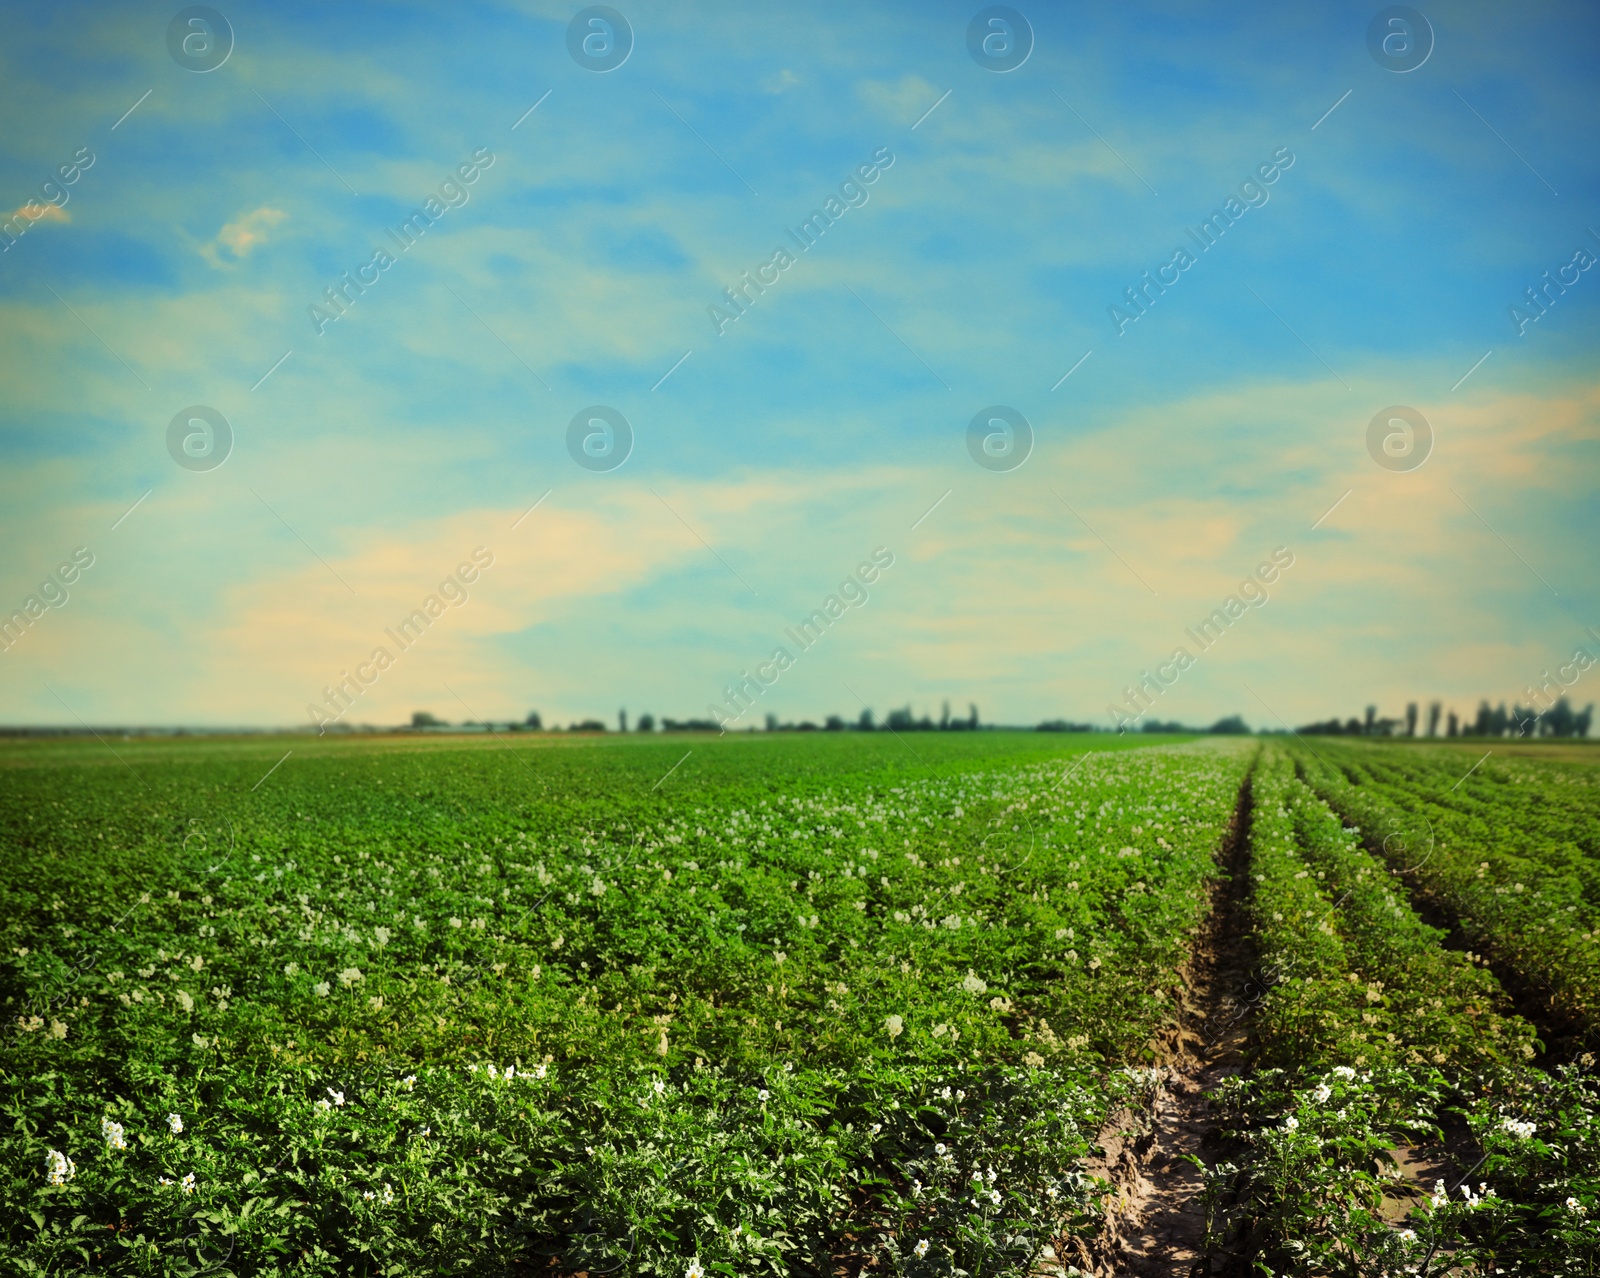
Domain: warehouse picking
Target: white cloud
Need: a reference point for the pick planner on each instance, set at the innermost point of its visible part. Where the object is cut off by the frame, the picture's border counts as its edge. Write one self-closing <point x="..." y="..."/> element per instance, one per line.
<point x="242" y="236"/>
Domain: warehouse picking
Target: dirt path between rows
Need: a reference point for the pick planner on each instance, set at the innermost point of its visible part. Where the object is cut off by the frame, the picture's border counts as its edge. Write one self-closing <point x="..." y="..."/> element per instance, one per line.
<point x="1155" y="1227"/>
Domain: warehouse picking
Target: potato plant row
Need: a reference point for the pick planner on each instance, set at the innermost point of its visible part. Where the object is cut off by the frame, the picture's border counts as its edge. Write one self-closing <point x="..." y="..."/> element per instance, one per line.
<point x="1317" y="1187"/>
<point x="1514" y="867"/>
<point x="1360" y="980"/>
<point x="469" y="1012"/>
<point x="1372" y="1037"/>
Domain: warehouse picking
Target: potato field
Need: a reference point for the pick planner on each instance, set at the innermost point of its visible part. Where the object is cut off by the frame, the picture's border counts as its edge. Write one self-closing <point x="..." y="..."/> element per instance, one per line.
<point x="974" y="1004"/>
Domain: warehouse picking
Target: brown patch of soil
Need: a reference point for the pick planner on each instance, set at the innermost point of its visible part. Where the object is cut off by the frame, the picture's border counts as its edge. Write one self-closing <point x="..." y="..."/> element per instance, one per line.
<point x="1155" y="1224"/>
<point x="1424" y="1166"/>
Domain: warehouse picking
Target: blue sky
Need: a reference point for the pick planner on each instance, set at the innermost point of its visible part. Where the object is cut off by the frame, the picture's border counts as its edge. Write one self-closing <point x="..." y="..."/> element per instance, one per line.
<point x="831" y="416"/>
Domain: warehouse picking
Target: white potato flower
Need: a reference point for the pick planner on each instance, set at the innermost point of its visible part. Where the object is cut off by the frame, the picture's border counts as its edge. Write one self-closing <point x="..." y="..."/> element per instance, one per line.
<point x="58" y="1168"/>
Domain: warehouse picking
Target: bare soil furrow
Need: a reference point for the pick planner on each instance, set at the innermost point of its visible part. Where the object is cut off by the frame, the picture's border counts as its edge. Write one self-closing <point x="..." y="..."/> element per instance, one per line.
<point x="1156" y="1226"/>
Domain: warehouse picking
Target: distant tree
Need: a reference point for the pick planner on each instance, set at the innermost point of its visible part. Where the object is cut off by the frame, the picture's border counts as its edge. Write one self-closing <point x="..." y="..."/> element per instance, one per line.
<point x="647" y="723"/>
<point x="1372" y="715"/>
<point x="944" y="716"/>
<point x="972" y="719"/>
<point x="1331" y="728"/>
<point x="422" y="719"/>
<point x="1581" y="720"/>
<point x="805" y="725"/>
<point x="533" y="720"/>
<point x="588" y="725"/>
<point x="1434" y="709"/>
<point x="1454" y="724"/>
<point x="1411" y="718"/>
<point x="900" y="720"/>
<point x="1352" y="727"/>
<point x="1499" y="721"/>
<point x="622" y="720"/>
<point x="691" y="725"/>
<point x="1561" y="720"/>
<point x="864" y="723"/>
<point x="772" y="723"/>
<point x="835" y="724"/>
<point x="1233" y="725"/>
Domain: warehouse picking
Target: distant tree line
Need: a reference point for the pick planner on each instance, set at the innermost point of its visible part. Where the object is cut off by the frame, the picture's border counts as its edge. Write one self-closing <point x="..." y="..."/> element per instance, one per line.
<point x="897" y="721"/>
<point x="1559" y="720"/>
<point x="904" y="720"/>
<point x="1233" y="725"/>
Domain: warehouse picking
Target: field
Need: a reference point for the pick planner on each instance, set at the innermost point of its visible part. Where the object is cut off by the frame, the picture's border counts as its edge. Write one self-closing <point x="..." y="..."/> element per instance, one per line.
<point x="988" y="1003"/>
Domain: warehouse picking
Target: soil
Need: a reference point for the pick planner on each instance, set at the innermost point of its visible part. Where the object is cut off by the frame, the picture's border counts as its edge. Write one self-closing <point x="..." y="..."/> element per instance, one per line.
<point x="1424" y="1166"/>
<point x="1155" y="1225"/>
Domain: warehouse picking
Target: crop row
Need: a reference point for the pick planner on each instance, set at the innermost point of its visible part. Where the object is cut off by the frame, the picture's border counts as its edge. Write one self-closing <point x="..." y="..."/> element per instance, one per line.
<point x="956" y="904"/>
<point x="751" y="1026"/>
<point x="1316" y="1186"/>
<point x="1360" y="979"/>
<point x="1372" y="1037"/>
<point x="1515" y="868"/>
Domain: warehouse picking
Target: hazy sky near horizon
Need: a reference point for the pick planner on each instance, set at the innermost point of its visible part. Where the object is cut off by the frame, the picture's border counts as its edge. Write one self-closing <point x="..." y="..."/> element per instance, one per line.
<point x="373" y="451"/>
